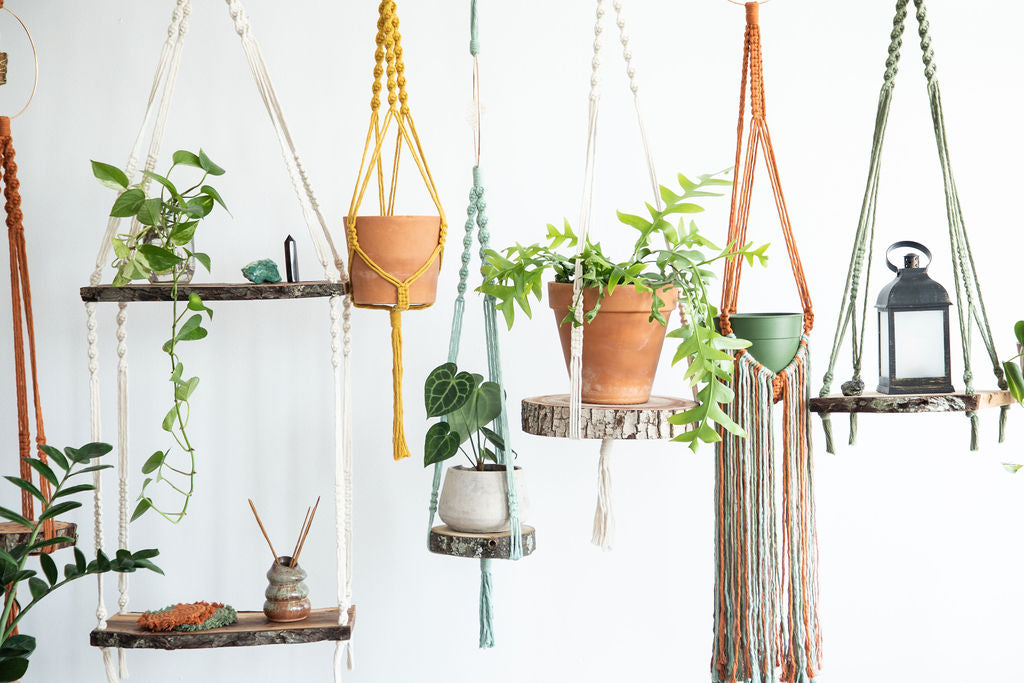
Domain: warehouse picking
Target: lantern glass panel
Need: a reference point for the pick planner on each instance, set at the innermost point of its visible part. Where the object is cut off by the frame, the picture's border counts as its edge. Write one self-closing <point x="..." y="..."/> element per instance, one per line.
<point x="883" y="344"/>
<point x="920" y="339"/>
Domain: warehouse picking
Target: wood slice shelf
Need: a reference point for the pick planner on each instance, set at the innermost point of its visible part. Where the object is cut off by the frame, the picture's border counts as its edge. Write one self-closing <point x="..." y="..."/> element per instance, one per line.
<point x="549" y="416"/>
<point x="243" y="291"/>
<point x="13" y="534"/>
<point x="495" y="546"/>
<point x="251" y="629"/>
<point x="910" y="403"/>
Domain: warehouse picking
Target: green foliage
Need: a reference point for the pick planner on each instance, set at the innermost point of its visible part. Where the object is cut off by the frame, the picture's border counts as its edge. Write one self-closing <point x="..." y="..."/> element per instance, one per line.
<point x="167" y="223"/>
<point x="15" y="650"/>
<point x="669" y="254"/>
<point x="1015" y="379"/>
<point x="466" y="404"/>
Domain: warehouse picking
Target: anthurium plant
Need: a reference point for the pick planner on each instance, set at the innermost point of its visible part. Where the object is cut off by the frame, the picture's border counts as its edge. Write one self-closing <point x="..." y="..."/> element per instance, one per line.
<point x="14" y="573"/>
<point x="669" y="253"/>
<point x="466" y="404"/>
<point x="166" y="226"/>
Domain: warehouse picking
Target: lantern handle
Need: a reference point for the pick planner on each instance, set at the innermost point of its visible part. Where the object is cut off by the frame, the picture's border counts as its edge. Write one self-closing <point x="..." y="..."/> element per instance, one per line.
<point x="907" y="244"/>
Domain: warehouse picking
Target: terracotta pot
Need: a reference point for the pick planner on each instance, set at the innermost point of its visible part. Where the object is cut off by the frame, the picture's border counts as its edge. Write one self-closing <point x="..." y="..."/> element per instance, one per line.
<point x="621" y="347"/>
<point x="399" y="245"/>
<point x="287" y="595"/>
<point x="476" y="502"/>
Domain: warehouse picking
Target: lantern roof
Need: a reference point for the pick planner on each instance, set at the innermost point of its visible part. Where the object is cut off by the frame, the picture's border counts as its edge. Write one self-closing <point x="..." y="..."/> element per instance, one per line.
<point x="912" y="289"/>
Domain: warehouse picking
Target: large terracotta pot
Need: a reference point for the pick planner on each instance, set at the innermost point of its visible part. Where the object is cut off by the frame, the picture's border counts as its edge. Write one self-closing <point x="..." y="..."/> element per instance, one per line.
<point x="399" y="245"/>
<point x="621" y="347"/>
<point x="476" y="502"/>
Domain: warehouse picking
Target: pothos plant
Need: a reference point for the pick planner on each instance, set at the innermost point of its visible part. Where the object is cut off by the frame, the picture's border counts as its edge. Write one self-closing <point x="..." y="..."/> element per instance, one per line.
<point x="16" y="649"/>
<point x="1015" y="378"/>
<point x="668" y="254"/>
<point x="163" y="228"/>
<point x="466" y="404"/>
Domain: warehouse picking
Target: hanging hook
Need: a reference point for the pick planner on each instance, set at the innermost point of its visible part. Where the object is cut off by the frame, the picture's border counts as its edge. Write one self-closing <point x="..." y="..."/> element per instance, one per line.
<point x="35" y="59"/>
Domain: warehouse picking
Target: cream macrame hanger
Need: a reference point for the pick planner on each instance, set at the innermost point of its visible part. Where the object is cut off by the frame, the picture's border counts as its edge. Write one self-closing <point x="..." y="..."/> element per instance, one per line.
<point x="604" y="519"/>
<point x="157" y="108"/>
<point x="35" y="60"/>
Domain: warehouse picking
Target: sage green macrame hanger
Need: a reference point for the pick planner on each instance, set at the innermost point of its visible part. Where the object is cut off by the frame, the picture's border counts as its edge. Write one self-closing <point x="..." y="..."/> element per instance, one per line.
<point x="476" y="216"/>
<point x="970" y="306"/>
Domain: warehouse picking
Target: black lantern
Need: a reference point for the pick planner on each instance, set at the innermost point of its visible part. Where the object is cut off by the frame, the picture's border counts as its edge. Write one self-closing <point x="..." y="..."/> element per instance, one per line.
<point x="913" y="329"/>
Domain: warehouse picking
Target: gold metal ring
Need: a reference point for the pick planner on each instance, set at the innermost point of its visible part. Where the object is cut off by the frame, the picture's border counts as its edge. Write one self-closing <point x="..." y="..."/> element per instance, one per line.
<point x="35" y="59"/>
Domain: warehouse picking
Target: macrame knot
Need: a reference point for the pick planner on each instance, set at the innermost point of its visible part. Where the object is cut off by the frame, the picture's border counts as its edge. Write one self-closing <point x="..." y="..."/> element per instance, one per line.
<point x="753" y="10"/>
<point x="403" y="296"/>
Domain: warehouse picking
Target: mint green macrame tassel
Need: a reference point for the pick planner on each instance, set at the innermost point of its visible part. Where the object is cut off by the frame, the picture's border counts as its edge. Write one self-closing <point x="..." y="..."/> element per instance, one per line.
<point x="486" y="605"/>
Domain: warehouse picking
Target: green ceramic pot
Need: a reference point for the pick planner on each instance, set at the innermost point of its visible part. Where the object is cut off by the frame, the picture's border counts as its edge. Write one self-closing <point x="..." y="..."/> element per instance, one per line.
<point x="774" y="337"/>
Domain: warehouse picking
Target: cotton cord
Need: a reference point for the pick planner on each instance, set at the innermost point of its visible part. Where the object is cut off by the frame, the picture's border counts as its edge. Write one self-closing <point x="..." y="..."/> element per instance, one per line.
<point x="970" y="304"/>
<point x="604" y="515"/>
<point x="389" y="60"/>
<point x="122" y="464"/>
<point x="477" y="222"/>
<point x="157" y="109"/>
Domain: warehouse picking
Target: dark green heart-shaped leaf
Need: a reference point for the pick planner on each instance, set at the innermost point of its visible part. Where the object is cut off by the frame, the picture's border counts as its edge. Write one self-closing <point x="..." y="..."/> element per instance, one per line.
<point x="159" y="259"/>
<point x="111" y="176"/>
<point x="128" y="203"/>
<point x="440" y="444"/>
<point x="13" y="668"/>
<point x="483" y="406"/>
<point x="446" y="389"/>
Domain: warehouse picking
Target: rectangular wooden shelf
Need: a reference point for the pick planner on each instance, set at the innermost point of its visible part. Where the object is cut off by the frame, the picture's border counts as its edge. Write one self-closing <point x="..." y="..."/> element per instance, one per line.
<point x="910" y="403"/>
<point x="251" y="629"/>
<point x="242" y="291"/>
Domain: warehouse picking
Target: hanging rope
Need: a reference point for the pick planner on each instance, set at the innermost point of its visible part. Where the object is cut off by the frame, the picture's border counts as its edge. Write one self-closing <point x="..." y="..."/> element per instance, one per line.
<point x="476" y="217"/>
<point x="970" y="305"/>
<point x="24" y="327"/>
<point x="389" y="52"/>
<point x="157" y="109"/>
<point x="766" y="592"/>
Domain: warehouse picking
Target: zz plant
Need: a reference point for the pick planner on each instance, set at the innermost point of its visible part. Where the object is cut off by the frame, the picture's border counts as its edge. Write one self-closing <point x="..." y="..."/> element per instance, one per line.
<point x="667" y="254"/>
<point x="166" y="225"/>
<point x="16" y="649"/>
<point x="466" y="404"/>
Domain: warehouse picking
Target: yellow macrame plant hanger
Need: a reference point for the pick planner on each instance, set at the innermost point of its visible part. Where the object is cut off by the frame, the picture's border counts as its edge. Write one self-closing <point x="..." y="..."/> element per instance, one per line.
<point x="388" y="57"/>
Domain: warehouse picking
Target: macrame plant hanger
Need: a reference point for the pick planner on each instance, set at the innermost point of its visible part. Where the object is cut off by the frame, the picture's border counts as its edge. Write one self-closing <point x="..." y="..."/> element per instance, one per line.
<point x="157" y="107"/>
<point x="583" y="419"/>
<point x="24" y="331"/>
<point x="521" y="538"/>
<point x="766" y="592"/>
<point x="970" y="305"/>
<point x="389" y="60"/>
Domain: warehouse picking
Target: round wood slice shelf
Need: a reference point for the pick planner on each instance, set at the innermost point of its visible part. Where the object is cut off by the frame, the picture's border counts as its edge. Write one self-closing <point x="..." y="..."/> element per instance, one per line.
<point x="496" y="546"/>
<point x="13" y="534"/>
<point x="549" y="416"/>
<point x="872" y="402"/>
<point x="252" y="628"/>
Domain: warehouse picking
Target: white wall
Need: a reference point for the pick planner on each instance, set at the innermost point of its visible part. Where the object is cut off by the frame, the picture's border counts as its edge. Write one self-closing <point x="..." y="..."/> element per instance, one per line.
<point x="920" y="539"/>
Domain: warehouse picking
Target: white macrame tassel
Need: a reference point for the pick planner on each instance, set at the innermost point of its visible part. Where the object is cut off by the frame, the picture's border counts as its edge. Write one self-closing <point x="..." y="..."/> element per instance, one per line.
<point x="604" y="516"/>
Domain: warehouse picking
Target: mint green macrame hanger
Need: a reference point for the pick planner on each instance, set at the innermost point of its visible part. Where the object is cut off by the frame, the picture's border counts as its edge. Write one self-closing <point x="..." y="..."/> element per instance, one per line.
<point x="476" y="216"/>
<point x="970" y="305"/>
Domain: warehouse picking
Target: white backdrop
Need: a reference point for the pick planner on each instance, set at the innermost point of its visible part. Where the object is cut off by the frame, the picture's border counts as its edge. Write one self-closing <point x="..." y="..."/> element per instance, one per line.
<point x="920" y="539"/>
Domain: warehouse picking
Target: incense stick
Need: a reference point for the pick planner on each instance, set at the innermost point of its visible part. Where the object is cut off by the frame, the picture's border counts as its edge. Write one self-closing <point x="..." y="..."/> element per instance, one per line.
<point x="302" y="543"/>
<point x="301" y="529"/>
<point x="258" y="521"/>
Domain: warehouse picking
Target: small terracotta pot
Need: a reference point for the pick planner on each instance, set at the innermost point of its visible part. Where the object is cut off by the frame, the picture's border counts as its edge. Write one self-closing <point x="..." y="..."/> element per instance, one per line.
<point x="399" y="245"/>
<point x="476" y="502"/>
<point x="287" y="595"/>
<point x="621" y="347"/>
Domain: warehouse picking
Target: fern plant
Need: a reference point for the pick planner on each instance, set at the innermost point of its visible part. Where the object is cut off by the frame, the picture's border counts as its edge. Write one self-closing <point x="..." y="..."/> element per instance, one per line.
<point x="669" y="253"/>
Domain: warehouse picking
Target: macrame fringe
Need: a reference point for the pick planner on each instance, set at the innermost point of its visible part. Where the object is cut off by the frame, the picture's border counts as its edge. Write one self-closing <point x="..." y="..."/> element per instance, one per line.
<point x="486" y="605"/>
<point x="604" y="516"/>
<point x="1004" y="411"/>
<point x="973" y="417"/>
<point x="766" y="589"/>
<point x="110" y="665"/>
<point x="122" y="661"/>
<point x="401" y="449"/>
